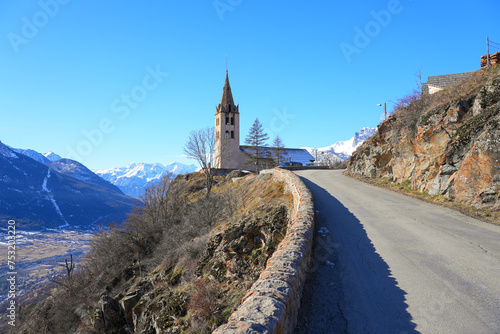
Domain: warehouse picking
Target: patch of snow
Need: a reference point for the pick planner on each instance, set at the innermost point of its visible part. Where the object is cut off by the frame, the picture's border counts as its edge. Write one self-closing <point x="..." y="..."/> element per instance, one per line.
<point x="44" y="185"/>
<point x="51" y="198"/>
<point x="7" y="152"/>
<point x="51" y="156"/>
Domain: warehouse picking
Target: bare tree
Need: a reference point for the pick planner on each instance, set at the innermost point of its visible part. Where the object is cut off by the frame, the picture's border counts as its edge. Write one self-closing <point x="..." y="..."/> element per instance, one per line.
<point x="201" y="147"/>
<point x="278" y="150"/>
<point x="411" y="97"/>
<point x="315" y="153"/>
<point x="256" y="139"/>
<point x="155" y="200"/>
<point x="330" y="159"/>
<point x="70" y="267"/>
<point x="409" y="108"/>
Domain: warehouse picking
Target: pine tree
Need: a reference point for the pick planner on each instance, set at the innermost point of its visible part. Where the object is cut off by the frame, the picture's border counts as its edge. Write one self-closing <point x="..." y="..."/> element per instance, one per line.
<point x="256" y="139"/>
<point x="279" y="152"/>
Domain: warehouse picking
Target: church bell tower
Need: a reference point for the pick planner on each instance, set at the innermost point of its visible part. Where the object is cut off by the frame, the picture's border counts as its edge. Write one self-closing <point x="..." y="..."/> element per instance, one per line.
<point x="227" y="130"/>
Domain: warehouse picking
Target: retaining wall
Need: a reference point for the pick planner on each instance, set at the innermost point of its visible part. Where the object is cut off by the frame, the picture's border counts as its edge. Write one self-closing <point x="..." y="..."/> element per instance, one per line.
<point x="272" y="303"/>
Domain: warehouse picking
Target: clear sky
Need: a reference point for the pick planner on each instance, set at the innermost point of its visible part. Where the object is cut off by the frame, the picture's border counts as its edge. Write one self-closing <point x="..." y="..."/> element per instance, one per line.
<point x="115" y="82"/>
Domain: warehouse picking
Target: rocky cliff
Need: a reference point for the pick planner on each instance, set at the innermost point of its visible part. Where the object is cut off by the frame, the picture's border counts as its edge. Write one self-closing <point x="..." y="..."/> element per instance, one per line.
<point x="445" y="144"/>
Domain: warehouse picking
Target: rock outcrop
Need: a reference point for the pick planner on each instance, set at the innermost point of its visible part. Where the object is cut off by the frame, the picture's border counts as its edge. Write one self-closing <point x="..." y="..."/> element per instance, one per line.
<point x="494" y="59"/>
<point x="445" y="144"/>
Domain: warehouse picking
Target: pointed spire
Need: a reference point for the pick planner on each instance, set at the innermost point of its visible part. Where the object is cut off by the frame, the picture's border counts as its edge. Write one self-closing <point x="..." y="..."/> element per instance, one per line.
<point x="227" y="102"/>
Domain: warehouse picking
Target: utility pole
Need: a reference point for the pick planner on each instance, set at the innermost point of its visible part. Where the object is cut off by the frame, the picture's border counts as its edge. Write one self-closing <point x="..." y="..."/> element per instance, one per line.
<point x="385" y="110"/>
<point x="488" y="51"/>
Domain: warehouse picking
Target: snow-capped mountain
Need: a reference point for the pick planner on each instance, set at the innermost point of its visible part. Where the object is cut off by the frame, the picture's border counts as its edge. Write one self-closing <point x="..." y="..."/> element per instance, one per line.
<point x="342" y="150"/>
<point x="66" y="166"/>
<point x="134" y="178"/>
<point x="43" y="158"/>
<point x="131" y="180"/>
<point x="32" y="154"/>
<point x="52" y="156"/>
<point x="47" y="195"/>
<point x="78" y="171"/>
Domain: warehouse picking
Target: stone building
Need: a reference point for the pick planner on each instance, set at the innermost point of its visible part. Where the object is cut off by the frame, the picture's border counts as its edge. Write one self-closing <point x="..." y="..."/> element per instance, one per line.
<point x="439" y="82"/>
<point x="229" y="154"/>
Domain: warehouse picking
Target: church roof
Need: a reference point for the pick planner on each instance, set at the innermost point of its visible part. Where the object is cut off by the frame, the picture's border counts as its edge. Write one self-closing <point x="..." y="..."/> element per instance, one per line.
<point x="227" y="95"/>
<point x="294" y="154"/>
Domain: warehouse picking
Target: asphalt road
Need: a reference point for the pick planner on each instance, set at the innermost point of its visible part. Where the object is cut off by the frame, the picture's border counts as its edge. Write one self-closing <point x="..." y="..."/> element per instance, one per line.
<point x="388" y="263"/>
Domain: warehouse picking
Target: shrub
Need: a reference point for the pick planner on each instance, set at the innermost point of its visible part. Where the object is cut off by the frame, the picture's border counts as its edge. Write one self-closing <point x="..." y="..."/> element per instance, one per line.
<point x="203" y="301"/>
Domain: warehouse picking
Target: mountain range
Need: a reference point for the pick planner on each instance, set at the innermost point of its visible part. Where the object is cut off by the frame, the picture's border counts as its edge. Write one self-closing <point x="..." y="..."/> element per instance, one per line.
<point x="47" y="191"/>
<point x="132" y="180"/>
<point x="55" y="194"/>
<point x="43" y="158"/>
<point x="342" y="150"/>
<point x="136" y="177"/>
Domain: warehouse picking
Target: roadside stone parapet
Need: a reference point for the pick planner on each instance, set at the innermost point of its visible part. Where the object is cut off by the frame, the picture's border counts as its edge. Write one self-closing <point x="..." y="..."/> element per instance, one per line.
<point x="272" y="303"/>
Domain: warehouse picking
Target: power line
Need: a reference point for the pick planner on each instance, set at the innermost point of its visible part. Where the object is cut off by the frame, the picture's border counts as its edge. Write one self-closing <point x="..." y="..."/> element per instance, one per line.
<point x="493" y="45"/>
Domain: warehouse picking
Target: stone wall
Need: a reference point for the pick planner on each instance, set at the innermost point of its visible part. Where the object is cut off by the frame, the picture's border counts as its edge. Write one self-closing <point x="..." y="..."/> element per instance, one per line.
<point x="272" y="303"/>
<point x="439" y="82"/>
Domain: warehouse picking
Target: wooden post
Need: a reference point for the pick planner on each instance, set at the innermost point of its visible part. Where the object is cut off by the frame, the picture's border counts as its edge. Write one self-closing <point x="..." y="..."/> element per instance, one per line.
<point x="70" y="267"/>
<point x="488" y="51"/>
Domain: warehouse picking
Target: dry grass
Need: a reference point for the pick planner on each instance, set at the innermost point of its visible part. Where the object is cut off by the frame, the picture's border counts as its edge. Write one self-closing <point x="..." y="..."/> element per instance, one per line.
<point x="465" y="88"/>
<point x="251" y="192"/>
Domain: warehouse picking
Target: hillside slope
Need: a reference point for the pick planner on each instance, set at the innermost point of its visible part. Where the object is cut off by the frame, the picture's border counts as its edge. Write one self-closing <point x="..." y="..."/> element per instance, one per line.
<point x="180" y="264"/>
<point x="445" y="144"/>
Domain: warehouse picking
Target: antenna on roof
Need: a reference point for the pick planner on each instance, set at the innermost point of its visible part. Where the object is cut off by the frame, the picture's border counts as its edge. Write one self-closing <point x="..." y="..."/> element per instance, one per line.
<point x="226" y="62"/>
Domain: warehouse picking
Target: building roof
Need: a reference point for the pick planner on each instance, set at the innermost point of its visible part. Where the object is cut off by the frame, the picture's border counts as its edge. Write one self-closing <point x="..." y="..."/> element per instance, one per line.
<point x="227" y="101"/>
<point x="293" y="154"/>
<point x="443" y="81"/>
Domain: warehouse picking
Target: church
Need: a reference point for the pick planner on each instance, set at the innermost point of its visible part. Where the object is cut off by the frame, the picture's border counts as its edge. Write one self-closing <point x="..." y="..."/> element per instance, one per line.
<point x="229" y="154"/>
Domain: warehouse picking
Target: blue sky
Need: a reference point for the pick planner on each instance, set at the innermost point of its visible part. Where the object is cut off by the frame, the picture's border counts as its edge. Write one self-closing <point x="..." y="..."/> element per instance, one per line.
<point x="116" y="82"/>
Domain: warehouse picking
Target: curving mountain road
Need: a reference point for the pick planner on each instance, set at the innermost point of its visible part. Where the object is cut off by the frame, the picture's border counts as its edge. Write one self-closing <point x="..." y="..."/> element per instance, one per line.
<point x="388" y="263"/>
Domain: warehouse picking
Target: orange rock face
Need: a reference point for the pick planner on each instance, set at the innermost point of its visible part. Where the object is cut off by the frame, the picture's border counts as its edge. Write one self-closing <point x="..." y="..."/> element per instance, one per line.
<point x="494" y="59"/>
<point x="452" y="149"/>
